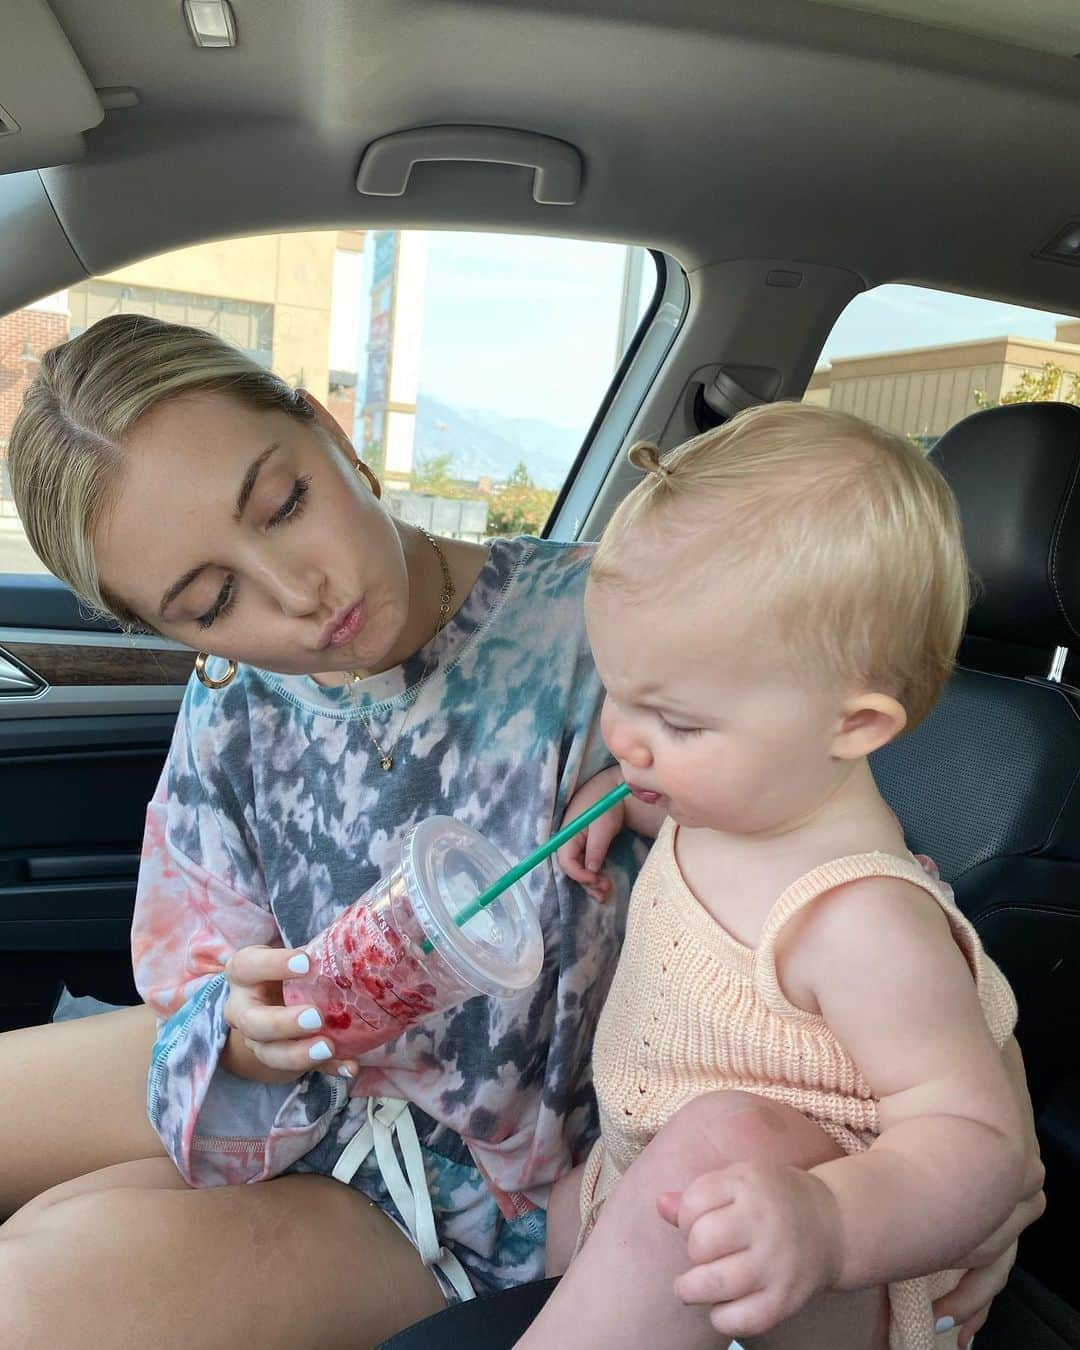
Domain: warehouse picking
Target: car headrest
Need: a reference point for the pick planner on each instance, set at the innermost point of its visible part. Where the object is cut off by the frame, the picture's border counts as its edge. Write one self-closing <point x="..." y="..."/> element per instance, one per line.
<point x="1014" y="471"/>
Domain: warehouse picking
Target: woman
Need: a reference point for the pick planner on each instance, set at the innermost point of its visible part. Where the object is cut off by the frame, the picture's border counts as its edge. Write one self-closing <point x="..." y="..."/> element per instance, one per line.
<point x="371" y="676"/>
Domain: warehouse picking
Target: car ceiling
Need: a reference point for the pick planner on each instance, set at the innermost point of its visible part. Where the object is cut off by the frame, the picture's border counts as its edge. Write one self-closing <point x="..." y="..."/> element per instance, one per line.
<point x="712" y="129"/>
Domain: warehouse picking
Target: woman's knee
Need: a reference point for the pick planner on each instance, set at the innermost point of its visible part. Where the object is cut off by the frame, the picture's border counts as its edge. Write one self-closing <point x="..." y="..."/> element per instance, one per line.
<point x="148" y="1174"/>
<point x="21" y="1326"/>
<point x="47" y="1262"/>
<point x="720" y="1128"/>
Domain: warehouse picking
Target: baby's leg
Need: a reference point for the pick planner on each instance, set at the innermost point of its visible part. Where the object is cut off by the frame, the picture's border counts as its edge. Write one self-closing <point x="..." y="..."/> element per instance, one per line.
<point x="130" y="1257"/>
<point x="74" y="1096"/>
<point x="563" y="1221"/>
<point x="618" y="1292"/>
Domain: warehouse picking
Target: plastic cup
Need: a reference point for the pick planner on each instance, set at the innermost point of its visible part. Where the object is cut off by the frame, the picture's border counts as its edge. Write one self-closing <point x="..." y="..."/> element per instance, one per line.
<point x="397" y="956"/>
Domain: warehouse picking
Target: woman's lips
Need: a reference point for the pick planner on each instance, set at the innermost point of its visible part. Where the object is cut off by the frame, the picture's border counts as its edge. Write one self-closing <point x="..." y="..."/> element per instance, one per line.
<point x="344" y="625"/>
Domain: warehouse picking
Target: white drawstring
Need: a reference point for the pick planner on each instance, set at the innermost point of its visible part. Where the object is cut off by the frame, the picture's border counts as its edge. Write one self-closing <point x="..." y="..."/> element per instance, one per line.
<point x="388" y="1117"/>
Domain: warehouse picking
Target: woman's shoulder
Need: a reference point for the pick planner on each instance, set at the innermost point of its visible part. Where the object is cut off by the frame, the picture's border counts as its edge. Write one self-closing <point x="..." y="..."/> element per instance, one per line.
<point x="546" y="569"/>
<point x="215" y="724"/>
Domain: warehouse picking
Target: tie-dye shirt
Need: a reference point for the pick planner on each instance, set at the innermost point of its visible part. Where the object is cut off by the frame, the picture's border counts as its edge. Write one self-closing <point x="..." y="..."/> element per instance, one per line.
<point x="273" y="814"/>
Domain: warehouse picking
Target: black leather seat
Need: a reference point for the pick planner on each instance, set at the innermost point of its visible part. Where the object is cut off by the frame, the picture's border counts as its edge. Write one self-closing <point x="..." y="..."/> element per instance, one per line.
<point x="989" y="786"/>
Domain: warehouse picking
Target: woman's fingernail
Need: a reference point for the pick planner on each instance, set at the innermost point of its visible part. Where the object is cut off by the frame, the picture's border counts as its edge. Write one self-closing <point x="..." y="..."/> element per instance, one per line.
<point x="309" y="1020"/>
<point x="344" y="1071"/>
<point x="320" y="1051"/>
<point x="944" y="1324"/>
<point x="299" y="964"/>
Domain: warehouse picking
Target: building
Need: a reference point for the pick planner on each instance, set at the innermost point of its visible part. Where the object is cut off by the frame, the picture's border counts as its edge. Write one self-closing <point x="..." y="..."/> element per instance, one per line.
<point x="923" y="391"/>
<point x="271" y="295"/>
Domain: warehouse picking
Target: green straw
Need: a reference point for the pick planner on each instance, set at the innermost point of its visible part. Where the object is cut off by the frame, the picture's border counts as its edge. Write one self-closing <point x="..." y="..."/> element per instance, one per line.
<point x="536" y="858"/>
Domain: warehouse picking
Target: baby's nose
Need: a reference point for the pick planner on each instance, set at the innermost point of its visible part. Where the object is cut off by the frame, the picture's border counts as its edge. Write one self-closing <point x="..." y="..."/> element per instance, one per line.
<point x="639" y="755"/>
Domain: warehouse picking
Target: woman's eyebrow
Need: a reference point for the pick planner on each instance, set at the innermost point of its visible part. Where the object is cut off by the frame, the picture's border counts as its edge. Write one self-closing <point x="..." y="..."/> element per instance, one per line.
<point x="247" y="487"/>
<point x="178" y="586"/>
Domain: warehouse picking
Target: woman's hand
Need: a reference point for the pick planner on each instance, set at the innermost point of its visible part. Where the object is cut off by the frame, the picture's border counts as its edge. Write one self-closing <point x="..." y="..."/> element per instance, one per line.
<point x="583" y="856"/>
<point x="269" y="1042"/>
<point x="988" y="1267"/>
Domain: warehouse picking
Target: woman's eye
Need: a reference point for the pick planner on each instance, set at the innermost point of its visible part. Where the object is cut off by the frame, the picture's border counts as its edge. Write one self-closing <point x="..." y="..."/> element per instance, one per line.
<point x="293" y="504"/>
<point x="221" y="605"/>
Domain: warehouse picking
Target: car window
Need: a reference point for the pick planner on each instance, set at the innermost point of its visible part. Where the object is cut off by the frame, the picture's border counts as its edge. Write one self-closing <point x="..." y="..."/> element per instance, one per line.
<point x="466" y="367"/>
<point x="917" y="361"/>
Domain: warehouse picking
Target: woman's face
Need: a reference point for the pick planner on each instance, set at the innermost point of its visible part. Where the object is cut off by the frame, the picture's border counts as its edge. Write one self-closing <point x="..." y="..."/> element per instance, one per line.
<point x="252" y="535"/>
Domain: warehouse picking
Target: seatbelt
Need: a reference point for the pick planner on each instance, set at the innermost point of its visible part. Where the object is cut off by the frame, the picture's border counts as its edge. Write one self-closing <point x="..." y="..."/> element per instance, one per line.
<point x="389" y="1118"/>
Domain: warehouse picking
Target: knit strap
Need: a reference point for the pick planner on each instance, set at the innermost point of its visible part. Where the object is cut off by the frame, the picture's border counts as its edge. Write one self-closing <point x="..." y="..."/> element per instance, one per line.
<point x="827" y="877"/>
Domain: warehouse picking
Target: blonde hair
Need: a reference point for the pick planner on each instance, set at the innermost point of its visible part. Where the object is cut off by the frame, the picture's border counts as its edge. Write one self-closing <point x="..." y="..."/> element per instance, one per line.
<point x="67" y="443"/>
<point x="852" y="536"/>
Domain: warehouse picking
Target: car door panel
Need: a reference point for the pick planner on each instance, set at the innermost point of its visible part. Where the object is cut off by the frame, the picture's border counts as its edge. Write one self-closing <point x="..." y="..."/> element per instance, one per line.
<point x="86" y="715"/>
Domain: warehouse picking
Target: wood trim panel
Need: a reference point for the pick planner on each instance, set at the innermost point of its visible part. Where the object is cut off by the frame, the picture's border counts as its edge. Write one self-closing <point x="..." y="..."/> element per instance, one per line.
<point x="61" y="664"/>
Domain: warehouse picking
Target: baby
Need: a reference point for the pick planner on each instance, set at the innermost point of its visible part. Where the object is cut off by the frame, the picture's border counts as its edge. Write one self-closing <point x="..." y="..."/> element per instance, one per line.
<point x="803" y="1100"/>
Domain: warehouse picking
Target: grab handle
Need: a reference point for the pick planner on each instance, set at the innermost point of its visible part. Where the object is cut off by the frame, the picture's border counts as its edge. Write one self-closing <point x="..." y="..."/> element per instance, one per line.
<point x="388" y="162"/>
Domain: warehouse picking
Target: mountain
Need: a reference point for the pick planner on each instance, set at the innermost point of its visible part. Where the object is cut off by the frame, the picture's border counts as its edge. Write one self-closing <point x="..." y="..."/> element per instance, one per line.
<point x="487" y="444"/>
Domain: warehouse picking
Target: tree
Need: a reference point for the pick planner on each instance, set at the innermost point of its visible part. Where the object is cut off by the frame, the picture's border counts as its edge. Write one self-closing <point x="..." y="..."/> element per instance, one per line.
<point x="520" y="507"/>
<point x="1048" y="385"/>
<point x="432" y="475"/>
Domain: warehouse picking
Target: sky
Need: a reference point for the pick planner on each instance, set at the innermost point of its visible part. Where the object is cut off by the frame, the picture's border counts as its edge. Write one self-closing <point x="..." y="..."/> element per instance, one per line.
<point x="891" y="318"/>
<point x="527" y="327"/>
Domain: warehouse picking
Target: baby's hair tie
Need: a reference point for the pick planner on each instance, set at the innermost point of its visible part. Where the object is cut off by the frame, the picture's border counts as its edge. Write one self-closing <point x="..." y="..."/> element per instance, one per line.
<point x="646" y="457"/>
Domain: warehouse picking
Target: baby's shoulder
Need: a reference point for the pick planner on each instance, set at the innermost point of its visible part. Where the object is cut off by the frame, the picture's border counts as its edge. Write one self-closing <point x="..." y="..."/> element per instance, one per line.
<point x="859" y="914"/>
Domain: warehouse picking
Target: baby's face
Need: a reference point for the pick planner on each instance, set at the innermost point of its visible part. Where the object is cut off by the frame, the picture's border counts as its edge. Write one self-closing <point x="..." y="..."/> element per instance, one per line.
<point x="705" y="711"/>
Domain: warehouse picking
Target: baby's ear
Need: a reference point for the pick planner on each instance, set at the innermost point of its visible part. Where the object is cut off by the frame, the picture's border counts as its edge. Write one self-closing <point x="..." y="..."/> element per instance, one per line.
<point x="867" y="722"/>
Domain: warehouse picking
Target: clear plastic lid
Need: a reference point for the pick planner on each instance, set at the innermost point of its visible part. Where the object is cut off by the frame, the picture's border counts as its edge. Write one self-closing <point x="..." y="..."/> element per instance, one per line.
<point x="446" y="865"/>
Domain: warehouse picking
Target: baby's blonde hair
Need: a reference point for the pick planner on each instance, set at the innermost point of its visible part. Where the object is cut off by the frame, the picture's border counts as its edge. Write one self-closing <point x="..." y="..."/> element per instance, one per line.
<point x="851" y="536"/>
<point x="66" y="447"/>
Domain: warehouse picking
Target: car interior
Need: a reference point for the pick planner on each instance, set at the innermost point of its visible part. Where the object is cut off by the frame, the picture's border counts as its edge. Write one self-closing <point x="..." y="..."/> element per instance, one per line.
<point x="778" y="161"/>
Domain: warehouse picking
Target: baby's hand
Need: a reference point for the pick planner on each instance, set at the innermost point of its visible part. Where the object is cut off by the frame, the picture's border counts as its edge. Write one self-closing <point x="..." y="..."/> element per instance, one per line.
<point x="269" y="1042"/>
<point x="583" y="856"/>
<point x="763" y="1240"/>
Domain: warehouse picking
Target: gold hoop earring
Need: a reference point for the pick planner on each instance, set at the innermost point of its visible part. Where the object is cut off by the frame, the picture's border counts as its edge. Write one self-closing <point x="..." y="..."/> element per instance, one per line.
<point x="208" y="680"/>
<point x="373" y="482"/>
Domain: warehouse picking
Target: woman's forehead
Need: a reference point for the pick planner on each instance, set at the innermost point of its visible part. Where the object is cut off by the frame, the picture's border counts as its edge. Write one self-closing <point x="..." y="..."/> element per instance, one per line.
<point x="183" y="468"/>
<point x="204" y="428"/>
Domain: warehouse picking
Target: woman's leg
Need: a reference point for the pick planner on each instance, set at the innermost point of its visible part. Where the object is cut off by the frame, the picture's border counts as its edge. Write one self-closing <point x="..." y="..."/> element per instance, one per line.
<point x="618" y="1292"/>
<point x="74" y="1097"/>
<point x="131" y="1257"/>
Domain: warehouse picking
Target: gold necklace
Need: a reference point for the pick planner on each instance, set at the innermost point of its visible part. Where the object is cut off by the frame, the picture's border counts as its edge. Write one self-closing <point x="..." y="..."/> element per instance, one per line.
<point x="386" y="753"/>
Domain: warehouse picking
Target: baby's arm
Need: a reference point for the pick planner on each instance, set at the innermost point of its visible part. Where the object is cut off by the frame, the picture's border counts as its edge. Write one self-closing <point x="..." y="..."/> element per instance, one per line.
<point x="879" y="958"/>
<point x="583" y="856"/>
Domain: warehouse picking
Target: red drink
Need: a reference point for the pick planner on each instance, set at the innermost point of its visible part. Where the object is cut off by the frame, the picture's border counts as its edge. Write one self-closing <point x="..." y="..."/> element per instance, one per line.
<point x="396" y="956"/>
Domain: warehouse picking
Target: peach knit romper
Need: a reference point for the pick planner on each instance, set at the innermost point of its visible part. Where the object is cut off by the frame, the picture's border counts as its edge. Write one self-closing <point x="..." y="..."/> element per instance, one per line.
<point x="691" y="1010"/>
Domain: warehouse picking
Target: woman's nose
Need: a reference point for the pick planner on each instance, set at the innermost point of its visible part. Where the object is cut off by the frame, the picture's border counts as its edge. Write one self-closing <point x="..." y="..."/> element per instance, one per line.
<point x="295" y="588"/>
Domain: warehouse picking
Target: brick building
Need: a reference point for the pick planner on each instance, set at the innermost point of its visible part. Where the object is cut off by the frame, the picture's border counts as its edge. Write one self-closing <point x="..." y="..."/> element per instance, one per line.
<point x="271" y="295"/>
<point x="24" y="336"/>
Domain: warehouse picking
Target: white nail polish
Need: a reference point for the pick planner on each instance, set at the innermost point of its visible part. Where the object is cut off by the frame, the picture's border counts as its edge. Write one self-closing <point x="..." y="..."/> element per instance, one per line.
<point x="309" y="1020"/>
<point x="944" y="1324"/>
<point x="344" y="1071"/>
<point x="320" y="1051"/>
<point x="299" y="964"/>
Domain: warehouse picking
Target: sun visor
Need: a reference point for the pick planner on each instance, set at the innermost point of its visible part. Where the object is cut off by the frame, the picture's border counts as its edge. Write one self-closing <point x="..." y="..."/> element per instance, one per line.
<point x="46" y="98"/>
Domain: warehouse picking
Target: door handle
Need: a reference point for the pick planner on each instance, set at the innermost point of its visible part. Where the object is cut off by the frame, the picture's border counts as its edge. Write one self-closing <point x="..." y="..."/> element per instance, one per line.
<point x="17" y="680"/>
<point x="388" y="162"/>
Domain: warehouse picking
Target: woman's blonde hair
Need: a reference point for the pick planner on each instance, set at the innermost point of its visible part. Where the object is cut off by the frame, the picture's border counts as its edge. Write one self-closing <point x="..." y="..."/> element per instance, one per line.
<point x="66" y="446"/>
<point x="850" y="534"/>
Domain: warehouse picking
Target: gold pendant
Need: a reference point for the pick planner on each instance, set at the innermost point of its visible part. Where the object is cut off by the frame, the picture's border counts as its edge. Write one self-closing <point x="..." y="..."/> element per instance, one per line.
<point x="387" y="761"/>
